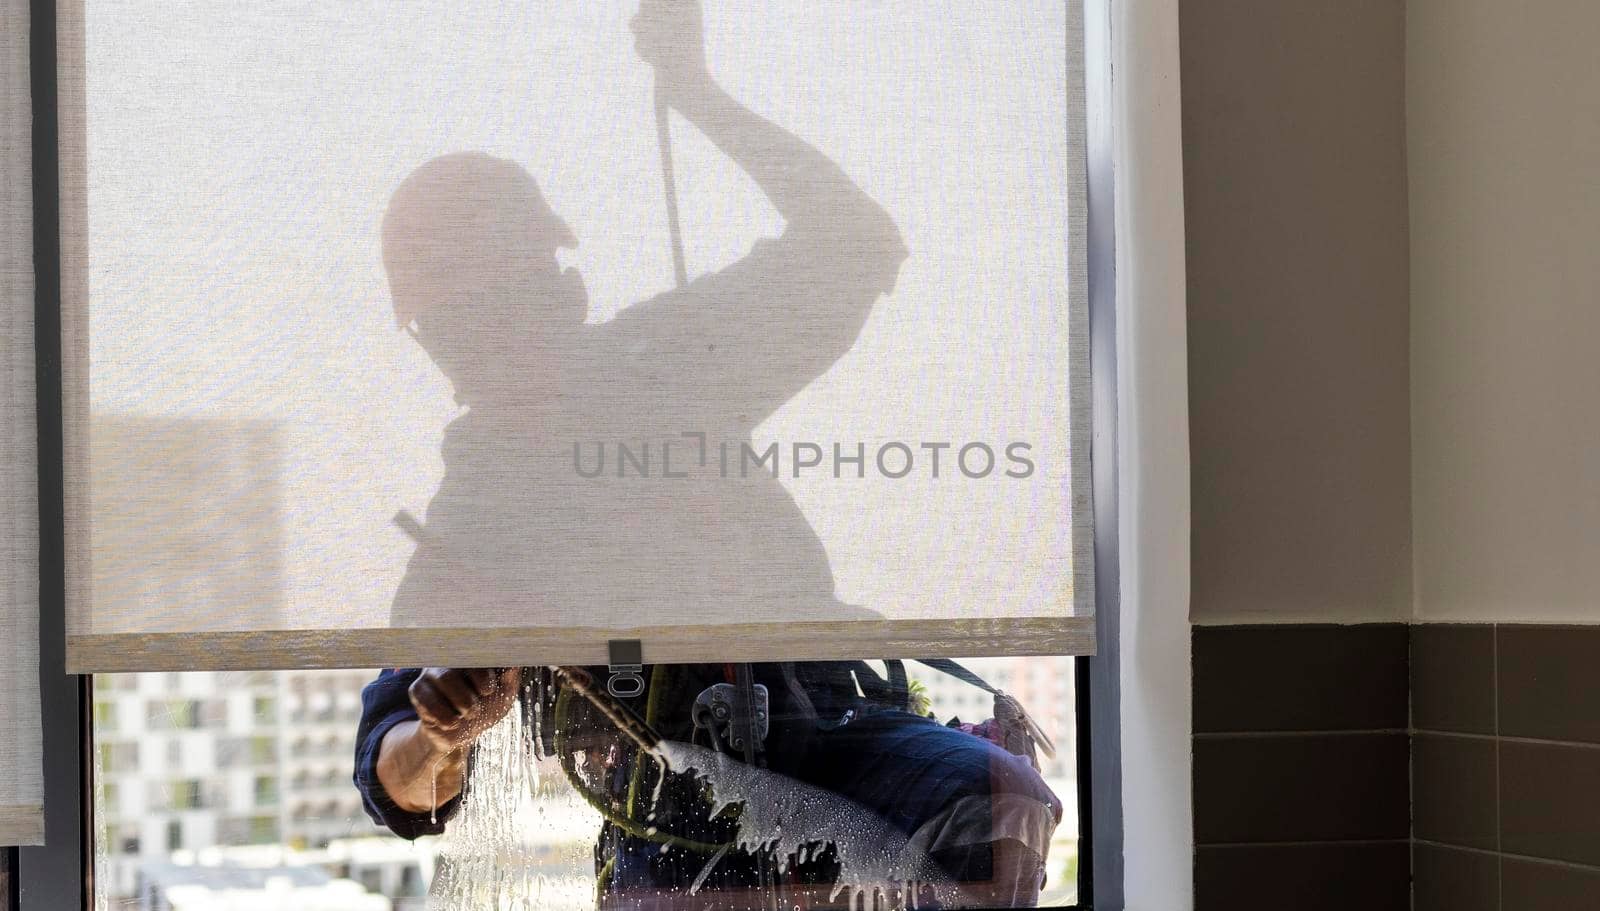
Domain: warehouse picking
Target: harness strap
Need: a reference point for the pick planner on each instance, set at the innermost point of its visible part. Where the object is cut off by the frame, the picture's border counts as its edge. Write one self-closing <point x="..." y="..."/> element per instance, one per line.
<point x="966" y="675"/>
<point x="960" y="672"/>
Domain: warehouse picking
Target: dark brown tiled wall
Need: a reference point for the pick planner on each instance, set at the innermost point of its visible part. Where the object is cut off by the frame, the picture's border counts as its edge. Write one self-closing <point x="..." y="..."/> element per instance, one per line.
<point x="1301" y="794"/>
<point x="1506" y="767"/>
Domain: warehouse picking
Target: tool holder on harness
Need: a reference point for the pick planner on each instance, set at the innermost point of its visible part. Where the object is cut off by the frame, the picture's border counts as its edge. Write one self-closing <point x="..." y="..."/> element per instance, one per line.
<point x="722" y="712"/>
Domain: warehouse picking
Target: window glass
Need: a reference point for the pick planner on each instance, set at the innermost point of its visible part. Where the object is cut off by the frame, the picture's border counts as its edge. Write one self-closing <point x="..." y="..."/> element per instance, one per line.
<point x="888" y="776"/>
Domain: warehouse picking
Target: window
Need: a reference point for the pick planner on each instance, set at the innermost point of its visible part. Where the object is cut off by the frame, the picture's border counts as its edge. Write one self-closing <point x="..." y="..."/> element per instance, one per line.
<point x="173" y="714"/>
<point x="373" y="880"/>
<point x="262" y="750"/>
<point x="177" y="794"/>
<point x="303" y="801"/>
<point x="211" y="713"/>
<point x="266" y="791"/>
<point x="265" y="710"/>
<point x="118" y="756"/>
<point x="246" y="831"/>
<point x="249" y="534"/>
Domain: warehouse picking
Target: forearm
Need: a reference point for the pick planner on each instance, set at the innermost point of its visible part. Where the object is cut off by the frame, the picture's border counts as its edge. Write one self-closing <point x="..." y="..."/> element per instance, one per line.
<point x="416" y="774"/>
<point x="804" y="185"/>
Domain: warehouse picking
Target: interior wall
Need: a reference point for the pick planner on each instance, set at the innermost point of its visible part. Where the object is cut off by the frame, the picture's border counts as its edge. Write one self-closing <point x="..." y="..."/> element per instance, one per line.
<point x="1295" y="194"/>
<point x="1152" y="447"/>
<point x="1302" y="768"/>
<point x="1504" y="134"/>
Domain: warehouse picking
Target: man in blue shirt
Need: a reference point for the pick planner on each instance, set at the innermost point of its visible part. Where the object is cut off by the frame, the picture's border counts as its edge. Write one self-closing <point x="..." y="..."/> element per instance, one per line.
<point x="982" y="815"/>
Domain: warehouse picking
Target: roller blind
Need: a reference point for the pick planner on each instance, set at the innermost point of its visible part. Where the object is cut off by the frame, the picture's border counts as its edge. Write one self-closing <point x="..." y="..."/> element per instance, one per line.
<point x="21" y="769"/>
<point x="485" y="333"/>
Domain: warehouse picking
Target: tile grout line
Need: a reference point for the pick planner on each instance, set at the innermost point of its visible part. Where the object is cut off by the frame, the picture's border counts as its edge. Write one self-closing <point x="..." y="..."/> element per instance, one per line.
<point x="1499" y="836"/>
<point x="1411" y="766"/>
<point x="1278" y="735"/>
<point x="1315" y="843"/>
<point x="1530" y="741"/>
<point x="1523" y="858"/>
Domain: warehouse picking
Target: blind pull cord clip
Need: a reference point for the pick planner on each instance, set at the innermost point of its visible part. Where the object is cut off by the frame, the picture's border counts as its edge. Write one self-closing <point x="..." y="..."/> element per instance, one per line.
<point x="626" y="664"/>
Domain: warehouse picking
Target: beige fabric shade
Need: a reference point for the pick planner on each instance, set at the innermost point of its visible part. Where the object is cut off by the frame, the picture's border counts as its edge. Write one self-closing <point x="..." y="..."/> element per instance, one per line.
<point x="378" y="352"/>
<point x="21" y="762"/>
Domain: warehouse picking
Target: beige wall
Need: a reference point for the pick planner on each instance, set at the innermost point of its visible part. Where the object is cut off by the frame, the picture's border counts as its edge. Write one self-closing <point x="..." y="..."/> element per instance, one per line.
<point x="1504" y="131"/>
<point x="1295" y="190"/>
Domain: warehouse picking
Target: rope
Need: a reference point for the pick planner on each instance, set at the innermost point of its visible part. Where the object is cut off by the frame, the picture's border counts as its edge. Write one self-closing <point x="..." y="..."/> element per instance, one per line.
<point x="569" y="767"/>
<point x="642" y="735"/>
<point x="674" y="227"/>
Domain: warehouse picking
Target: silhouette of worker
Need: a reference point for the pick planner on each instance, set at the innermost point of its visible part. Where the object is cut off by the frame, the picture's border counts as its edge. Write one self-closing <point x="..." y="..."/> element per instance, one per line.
<point x="519" y="531"/>
<point x="599" y="475"/>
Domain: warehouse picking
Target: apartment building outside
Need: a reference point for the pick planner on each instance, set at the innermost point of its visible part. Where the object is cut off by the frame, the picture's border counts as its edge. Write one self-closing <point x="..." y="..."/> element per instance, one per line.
<point x="188" y="762"/>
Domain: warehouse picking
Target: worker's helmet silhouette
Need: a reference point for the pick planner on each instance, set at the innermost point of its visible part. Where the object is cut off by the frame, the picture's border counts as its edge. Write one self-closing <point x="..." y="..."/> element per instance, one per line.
<point x="465" y="223"/>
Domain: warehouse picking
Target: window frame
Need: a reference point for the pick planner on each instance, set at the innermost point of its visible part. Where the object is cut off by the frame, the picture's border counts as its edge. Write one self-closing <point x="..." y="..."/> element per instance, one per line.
<point x="60" y="875"/>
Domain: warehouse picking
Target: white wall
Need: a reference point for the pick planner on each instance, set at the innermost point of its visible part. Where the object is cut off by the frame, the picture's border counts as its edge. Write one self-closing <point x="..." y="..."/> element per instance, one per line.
<point x="1153" y="437"/>
<point x="1504" y="134"/>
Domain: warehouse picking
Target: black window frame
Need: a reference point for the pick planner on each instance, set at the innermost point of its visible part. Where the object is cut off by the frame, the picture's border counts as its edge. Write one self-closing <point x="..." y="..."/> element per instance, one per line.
<point x="60" y="875"/>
